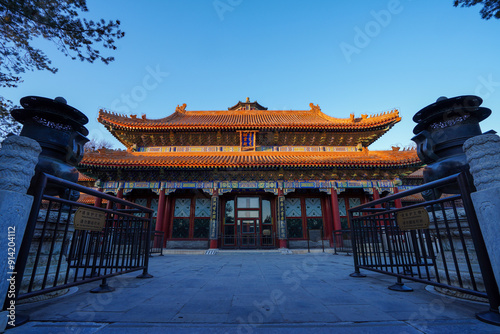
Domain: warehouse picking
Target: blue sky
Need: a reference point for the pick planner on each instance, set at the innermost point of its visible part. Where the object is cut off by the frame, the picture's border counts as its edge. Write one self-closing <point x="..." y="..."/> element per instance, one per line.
<point x="347" y="56"/>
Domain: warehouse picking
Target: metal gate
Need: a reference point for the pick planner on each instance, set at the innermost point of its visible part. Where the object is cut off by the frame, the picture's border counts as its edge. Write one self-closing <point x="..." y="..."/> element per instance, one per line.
<point x="58" y="253"/>
<point x="436" y="242"/>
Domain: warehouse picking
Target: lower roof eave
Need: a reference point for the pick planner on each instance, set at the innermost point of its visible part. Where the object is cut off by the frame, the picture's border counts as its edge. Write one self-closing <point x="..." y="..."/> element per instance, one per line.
<point x="208" y="167"/>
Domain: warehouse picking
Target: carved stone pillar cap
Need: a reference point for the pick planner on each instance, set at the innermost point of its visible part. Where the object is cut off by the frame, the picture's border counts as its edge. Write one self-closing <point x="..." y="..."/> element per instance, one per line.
<point x="483" y="156"/>
<point x="18" y="158"/>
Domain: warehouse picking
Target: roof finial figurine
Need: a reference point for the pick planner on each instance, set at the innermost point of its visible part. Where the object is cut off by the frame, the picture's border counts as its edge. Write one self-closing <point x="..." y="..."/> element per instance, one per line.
<point x="314" y="107"/>
<point x="181" y="108"/>
<point x="248" y="100"/>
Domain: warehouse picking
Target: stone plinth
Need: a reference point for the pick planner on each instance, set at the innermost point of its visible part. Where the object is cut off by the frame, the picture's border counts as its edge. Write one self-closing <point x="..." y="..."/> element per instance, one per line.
<point x="483" y="155"/>
<point x="189" y="244"/>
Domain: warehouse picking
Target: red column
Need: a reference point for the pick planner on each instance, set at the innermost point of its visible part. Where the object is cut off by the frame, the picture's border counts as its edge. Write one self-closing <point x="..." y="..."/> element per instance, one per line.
<point x="336" y="214"/>
<point x="109" y="206"/>
<point x="166" y="219"/>
<point x="98" y="200"/>
<point x="161" y="211"/>
<point x="119" y="194"/>
<point x="328" y="222"/>
<point x="397" y="202"/>
<point x="335" y="210"/>
<point x="376" y="196"/>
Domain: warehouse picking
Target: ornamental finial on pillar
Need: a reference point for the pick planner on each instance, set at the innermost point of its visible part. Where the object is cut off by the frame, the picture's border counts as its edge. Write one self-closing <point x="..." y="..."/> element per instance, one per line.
<point x="18" y="158"/>
<point x="483" y="156"/>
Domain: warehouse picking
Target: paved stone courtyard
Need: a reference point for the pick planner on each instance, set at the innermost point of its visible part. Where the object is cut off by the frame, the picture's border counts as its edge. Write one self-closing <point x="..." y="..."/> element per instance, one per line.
<point x="253" y="292"/>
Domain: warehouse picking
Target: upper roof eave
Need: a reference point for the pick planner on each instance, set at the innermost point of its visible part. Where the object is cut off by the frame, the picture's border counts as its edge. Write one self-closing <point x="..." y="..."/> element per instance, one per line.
<point x="248" y="119"/>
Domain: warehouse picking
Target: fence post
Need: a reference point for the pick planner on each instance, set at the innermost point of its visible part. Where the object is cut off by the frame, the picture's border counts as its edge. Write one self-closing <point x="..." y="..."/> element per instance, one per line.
<point x="145" y="273"/>
<point x="356" y="272"/>
<point x="103" y="287"/>
<point x="400" y="286"/>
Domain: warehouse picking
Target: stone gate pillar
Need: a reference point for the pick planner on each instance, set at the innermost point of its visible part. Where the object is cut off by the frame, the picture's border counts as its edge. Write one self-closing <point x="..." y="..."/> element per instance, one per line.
<point x="18" y="158"/>
<point x="483" y="156"/>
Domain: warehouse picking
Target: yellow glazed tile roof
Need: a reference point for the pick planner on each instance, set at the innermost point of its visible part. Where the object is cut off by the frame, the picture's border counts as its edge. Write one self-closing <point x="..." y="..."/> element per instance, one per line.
<point x="254" y="119"/>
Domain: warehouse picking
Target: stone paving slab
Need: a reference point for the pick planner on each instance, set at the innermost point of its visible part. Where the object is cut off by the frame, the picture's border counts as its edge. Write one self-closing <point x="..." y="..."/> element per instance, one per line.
<point x="386" y="327"/>
<point x="253" y="293"/>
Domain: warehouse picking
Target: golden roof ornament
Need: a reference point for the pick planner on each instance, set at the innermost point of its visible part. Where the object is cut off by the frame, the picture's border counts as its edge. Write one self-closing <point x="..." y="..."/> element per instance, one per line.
<point x="181" y="108"/>
<point x="315" y="108"/>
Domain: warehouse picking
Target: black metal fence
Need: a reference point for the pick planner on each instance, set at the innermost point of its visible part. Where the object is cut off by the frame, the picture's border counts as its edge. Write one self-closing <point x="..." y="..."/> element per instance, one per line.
<point x="67" y="243"/>
<point x="157" y="240"/>
<point x="437" y="242"/>
<point x="316" y="236"/>
<point x="342" y="242"/>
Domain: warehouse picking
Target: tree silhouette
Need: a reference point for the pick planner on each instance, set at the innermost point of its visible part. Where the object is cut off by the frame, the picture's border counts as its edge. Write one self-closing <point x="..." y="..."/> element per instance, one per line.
<point x="491" y="8"/>
<point x="23" y="22"/>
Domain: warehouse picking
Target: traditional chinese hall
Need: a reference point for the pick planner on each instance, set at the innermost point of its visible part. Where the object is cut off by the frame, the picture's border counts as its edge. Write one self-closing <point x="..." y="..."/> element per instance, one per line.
<point x="246" y="176"/>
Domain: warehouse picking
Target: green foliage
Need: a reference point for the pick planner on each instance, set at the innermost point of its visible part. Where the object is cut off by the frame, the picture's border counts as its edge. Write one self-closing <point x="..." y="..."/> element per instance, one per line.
<point x="491" y="8"/>
<point x="24" y="21"/>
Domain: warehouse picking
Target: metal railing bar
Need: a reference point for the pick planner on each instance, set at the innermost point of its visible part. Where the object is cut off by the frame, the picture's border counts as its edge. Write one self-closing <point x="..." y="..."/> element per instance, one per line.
<point x="439" y="285"/>
<point x="452" y="246"/>
<point x="464" y="247"/>
<point x="95" y="193"/>
<point x="419" y="189"/>
<point x="52" y="244"/>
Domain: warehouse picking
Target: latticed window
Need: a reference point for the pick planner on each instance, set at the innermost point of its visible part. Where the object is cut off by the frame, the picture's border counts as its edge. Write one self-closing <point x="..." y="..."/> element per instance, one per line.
<point x="313" y="207"/>
<point x="154" y="206"/>
<point x="201" y="228"/>
<point x="180" y="228"/>
<point x="344" y="205"/>
<point x="180" y="223"/>
<point x="293" y="207"/>
<point x="314" y="223"/>
<point x="353" y="202"/>
<point x="293" y="213"/>
<point x="294" y="226"/>
<point x="202" y="208"/>
<point x="182" y="207"/>
<point x="201" y="225"/>
<point x="314" y="214"/>
<point x="142" y="202"/>
<point x="302" y="214"/>
<point x="189" y="223"/>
